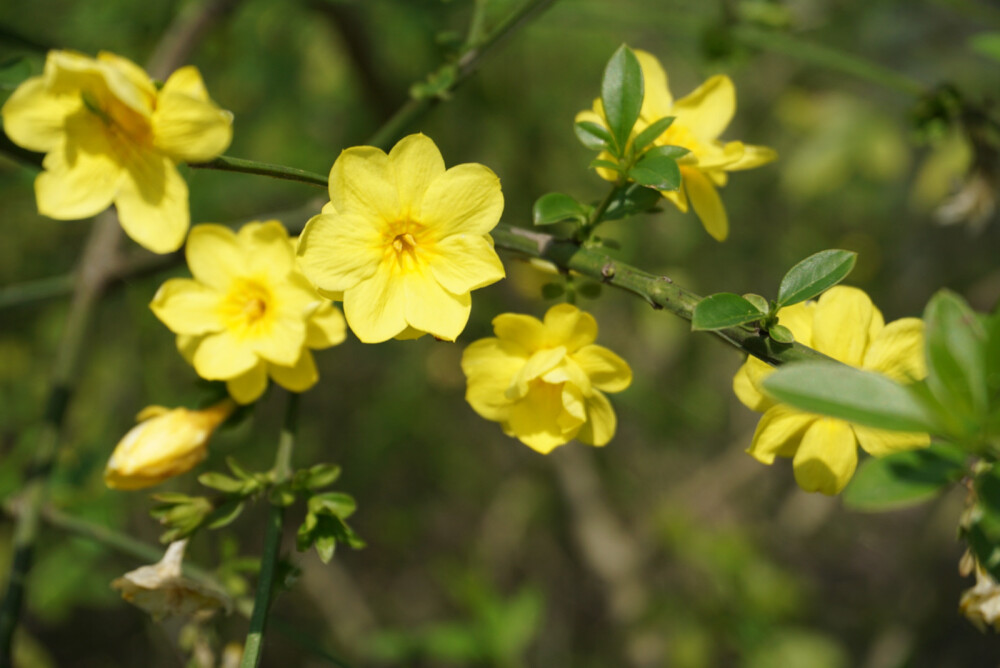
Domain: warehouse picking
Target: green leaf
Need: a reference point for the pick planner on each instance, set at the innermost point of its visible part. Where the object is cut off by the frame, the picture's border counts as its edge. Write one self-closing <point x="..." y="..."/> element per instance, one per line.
<point x="238" y="470"/>
<point x="593" y="136"/>
<point x="986" y="44"/>
<point x="621" y="94"/>
<point x="634" y="199"/>
<point x="656" y="171"/>
<point x="904" y="478"/>
<point x="781" y="334"/>
<point x="651" y="133"/>
<point x="221" y="482"/>
<point x="553" y="290"/>
<point x="605" y="164"/>
<point x="337" y="504"/>
<point x="757" y="301"/>
<point x="841" y="391"/>
<point x="556" y="207"/>
<point x="955" y="347"/>
<point x="669" y="151"/>
<point x="317" y="476"/>
<point x="13" y="72"/>
<point x="225" y="514"/>
<point x="723" y="310"/>
<point x="818" y="272"/>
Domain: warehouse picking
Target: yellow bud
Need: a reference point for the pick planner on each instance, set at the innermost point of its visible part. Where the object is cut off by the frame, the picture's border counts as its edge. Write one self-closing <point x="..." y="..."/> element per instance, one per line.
<point x="165" y="443"/>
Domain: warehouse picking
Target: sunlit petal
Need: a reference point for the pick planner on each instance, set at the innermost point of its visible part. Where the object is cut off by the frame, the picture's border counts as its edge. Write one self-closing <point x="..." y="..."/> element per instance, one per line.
<point x="466" y="199"/>
<point x="153" y="203"/>
<point x="187" y="307"/>
<point x="707" y="203"/>
<point x="779" y="433"/>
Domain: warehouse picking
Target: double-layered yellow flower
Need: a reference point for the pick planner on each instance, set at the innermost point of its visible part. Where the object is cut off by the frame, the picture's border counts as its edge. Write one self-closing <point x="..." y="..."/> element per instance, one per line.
<point x="845" y="325"/>
<point x="404" y="241"/>
<point x="249" y="313"/>
<point x="165" y="443"/>
<point x="544" y="382"/>
<point x="111" y="137"/>
<point x="699" y="119"/>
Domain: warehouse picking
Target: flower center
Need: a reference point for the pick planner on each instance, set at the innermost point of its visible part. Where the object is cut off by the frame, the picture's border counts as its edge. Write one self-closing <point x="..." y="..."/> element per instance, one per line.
<point x="122" y="122"/>
<point x="404" y="244"/>
<point x="247" y="307"/>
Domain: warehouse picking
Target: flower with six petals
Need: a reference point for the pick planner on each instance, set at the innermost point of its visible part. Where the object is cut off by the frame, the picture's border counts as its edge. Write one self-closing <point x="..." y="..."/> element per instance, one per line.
<point x="544" y="382"/>
<point x="845" y="325"/>
<point x="111" y="137"/>
<point x="404" y="241"/>
<point x="699" y="119"/>
<point x="249" y="313"/>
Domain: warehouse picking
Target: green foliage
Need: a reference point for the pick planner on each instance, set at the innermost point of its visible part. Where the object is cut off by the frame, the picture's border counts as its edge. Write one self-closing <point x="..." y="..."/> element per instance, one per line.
<point x="986" y="44"/>
<point x="955" y="345"/>
<point x="631" y="200"/>
<point x="657" y="169"/>
<point x="723" y="310"/>
<point x="904" y="479"/>
<point x="815" y="274"/>
<point x="621" y="96"/>
<point x="652" y="132"/>
<point x="556" y="208"/>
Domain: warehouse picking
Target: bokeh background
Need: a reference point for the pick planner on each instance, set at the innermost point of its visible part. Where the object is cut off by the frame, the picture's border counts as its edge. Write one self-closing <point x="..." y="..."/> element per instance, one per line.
<point x="668" y="547"/>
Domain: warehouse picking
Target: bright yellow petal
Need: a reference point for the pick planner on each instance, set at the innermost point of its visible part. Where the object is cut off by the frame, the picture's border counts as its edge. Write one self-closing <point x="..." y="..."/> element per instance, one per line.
<point x="715" y="156"/>
<point x="566" y="325"/>
<point x="266" y="249"/>
<point x="338" y="251"/>
<point x="130" y="83"/>
<point x="707" y="110"/>
<point x="82" y="176"/>
<point x="325" y="327"/>
<point x="753" y="156"/>
<point x="778" y="433"/>
<point x="490" y="366"/>
<point x="601" y="421"/>
<point x="247" y="387"/>
<point x="153" y="203"/>
<point x="879" y="442"/>
<point x="187" y="125"/>
<point x="416" y="162"/>
<point x="221" y="356"/>
<point x="707" y="203"/>
<point x="187" y="307"/>
<point x="657" y="101"/>
<point x="827" y="457"/>
<point x="747" y="392"/>
<point x="523" y="330"/>
<point x="606" y="370"/>
<point x="841" y="323"/>
<point x="466" y="199"/>
<point x="214" y="255"/>
<point x="284" y="339"/>
<point x="569" y="373"/>
<point x="35" y="118"/>
<point x="362" y="183"/>
<point x="375" y="308"/>
<point x="464" y="262"/>
<point x="535" y="418"/>
<point x="799" y="319"/>
<point x="432" y="309"/>
<point x="588" y="116"/>
<point x="538" y="364"/>
<point x="296" y="378"/>
<point x="898" y="351"/>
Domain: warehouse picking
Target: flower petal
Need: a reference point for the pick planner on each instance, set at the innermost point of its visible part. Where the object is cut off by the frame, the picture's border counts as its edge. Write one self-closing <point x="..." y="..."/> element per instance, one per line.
<point x="841" y="324"/>
<point x="35" y="118"/>
<point x="222" y="356"/>
<point x="880" y="442"/>
<point x="746" y="391"/>
<point x="187" y="307"/>
<point x="707" y="203"/>
<point x="187" y="125"/>
<point x="606" y="370"/>
<point x="284" y="339"/>
<point x="464" y="262"/>
<point x="214" y="255"/>
<point x="778" y="433"/>
<point x="153" y="202"/>
<point x="375" y="308"/>
<point x="416" y="162"/>
<point x="248" y="386"/>
<point x="753" y="156"/>
<point x="490" y="366"/>
<point x="266" y="249"/>
<point x="432" y="309"/>
<point x="566" y="325"/>
<point x="799" y="319"/>
<point x="465" y="199"/>
<point x="362" y="182"/>
<point x="827" y="457"/>
<point x="537" y="365"/>
<point x="657" y="101"/>
<point x="340" y="250"/>
<point x="534" y="420"/>
<point x="298" y="377"/>
<point x="325" y="327"/>
<point x="523" y="330"/>
<point x="707" y="110"/>
<point x="898" y="351"/>
<point x="601" y="421"/>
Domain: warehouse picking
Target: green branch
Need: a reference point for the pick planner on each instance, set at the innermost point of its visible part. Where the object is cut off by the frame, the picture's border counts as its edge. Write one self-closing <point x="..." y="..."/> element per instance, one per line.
<point x="226" y="163"/>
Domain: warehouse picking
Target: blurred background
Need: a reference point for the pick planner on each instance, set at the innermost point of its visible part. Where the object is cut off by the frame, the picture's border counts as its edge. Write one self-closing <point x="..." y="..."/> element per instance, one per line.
<point x="668" y="547"/>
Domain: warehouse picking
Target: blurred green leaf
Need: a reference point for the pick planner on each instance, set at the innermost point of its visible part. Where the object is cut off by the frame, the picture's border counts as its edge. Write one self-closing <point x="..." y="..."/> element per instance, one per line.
<point x="955" y="346"/>
<point x="651" y="133"/>
<point x="632" y="200"/>
<point x="282" y="495"/>
<point x="986" y="44"/>
<point x="221" y="482"/>
<point x="621" y="94"/>
<point x="656" y="171"/>
<point x="333" y="503"/>
<point x="316" y="477"/>
<point x="723" y="309"/>
<point x="604" y="164"/>
<point x="13" y="71"/>
<point x="225" y="514"/>
<point x="592" y="135"/>
<point x="841" y="391"/>
<point x="904" y="478"/>
<point x="557" y="207"/>
<point x="815" y="274"/>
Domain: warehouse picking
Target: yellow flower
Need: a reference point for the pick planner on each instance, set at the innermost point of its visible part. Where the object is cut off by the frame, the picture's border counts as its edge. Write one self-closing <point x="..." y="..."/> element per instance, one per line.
<point x="111" y="137"/>
<point x="699" y="120"/>
<point x="845" y="325"/>
<point x="161" y="589"/>
<point x="249" y="313"/>
<point x="544" y="382"/>
<point x="404" y="241"/>
<point x="165" y="443"/>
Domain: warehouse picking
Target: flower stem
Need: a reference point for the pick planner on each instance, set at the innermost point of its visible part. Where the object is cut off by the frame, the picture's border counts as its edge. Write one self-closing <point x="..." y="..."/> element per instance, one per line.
<point x="253" y="649"/>
<point x="587" y="228"/>
<point x="227" y="163"/>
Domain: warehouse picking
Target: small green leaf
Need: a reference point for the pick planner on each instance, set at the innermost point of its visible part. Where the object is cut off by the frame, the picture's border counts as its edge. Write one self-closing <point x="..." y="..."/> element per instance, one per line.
<point x="986" y="44"/>
<point x="781" y="334"/>
<point x="317" y="476"/>
<point x="221" y="482"/>
<point x="225" y="514"/>
<point x="337" y="504"/>
<point x="237" y="470"/>
<point x="553" y="290"/>
<point x="556" y="207"/>
<point x="841" y="391"/>
<point x="955" y="347"/>
<point x="621" y="94"/>
<point x="590" y="290"/>
<point x="632" y="200"/>
<point x="668" y="151"/>
<point x="651" y="133"/>
<point x="723" y="310"/>
<point x="593" y="136"/>
<point x="903" y="479"/>
<point x="604" y="164"/>
<point x="656" y="171"/>
<point x="757" y="301"/>
<point x="282" y="495"/>
<point x="818" y="272"/>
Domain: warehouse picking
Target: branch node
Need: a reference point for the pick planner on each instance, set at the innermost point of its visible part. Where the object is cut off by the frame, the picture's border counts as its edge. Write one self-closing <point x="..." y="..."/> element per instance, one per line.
<point x="608" y="271"/>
